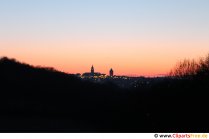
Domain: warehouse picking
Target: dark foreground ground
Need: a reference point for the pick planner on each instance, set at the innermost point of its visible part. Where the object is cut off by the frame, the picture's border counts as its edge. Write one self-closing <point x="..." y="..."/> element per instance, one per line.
<point x="44" y="100"/>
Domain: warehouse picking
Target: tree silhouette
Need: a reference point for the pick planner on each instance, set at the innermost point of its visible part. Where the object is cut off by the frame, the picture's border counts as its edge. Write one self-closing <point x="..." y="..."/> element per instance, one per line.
<point x="186" y="68"/>
<point x="38" y="99"/>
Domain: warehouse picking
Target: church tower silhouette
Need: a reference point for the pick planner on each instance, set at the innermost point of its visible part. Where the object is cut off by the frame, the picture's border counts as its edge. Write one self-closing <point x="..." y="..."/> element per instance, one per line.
<point x="111" y="72"/>
<point x="92" y="70"/>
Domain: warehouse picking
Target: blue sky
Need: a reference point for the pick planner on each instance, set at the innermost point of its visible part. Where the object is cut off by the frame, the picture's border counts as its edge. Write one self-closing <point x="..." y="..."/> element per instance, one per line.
<point x="134" y="17"/>
<point x="91" y="23"/>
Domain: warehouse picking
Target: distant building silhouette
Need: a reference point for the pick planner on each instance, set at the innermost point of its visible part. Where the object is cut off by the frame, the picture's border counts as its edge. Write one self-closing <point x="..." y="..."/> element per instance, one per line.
<point x="111" y="72"/>
<point x="92" y="70"/>
<point x="93" y="74"/>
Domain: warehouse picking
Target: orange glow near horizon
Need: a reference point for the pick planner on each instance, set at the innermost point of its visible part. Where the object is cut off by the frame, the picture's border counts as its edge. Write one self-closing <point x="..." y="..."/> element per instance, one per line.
<point x="132" y="58"/>
<point x="135" y="38"/>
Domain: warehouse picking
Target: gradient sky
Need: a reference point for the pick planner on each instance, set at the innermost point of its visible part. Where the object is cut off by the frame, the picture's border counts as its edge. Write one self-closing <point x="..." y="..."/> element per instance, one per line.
<point x="134" y="37"/>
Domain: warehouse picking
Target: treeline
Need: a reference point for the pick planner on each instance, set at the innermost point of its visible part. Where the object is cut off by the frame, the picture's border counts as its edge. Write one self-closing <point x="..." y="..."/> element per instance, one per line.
<point x="191" y="68"/>
<point x="37" y="99"/>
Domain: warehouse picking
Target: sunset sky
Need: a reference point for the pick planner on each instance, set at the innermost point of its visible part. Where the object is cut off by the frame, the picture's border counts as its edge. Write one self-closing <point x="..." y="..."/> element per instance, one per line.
<point x="134" y="37"/>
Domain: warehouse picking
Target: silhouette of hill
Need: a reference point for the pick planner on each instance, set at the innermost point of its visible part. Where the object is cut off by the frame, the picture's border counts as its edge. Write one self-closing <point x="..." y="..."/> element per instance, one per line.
<point x="37" y="99"/>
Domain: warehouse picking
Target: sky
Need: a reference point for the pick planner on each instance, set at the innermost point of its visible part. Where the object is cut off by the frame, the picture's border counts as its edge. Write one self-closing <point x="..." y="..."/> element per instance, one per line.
<point x="134" y="37"/>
